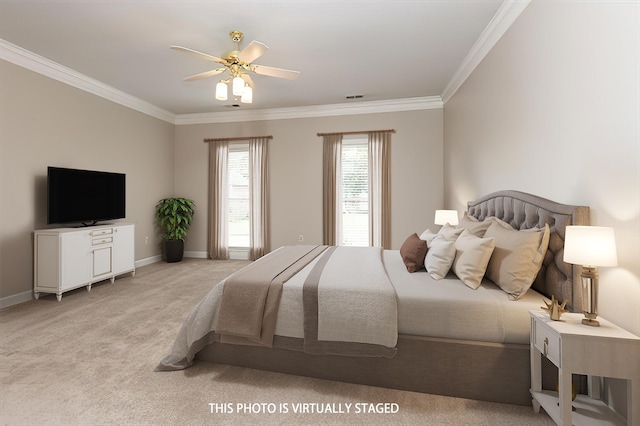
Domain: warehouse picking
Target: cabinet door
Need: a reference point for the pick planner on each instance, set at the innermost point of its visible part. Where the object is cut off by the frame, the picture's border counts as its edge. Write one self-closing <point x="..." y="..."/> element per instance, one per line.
<point x="123" y="249"/>
<point x="101" y="261"/>
<point x="76" y="259"/>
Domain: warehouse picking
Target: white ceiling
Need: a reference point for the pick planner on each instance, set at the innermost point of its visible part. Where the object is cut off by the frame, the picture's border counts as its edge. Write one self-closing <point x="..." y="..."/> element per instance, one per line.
<point x="383" y="50"/>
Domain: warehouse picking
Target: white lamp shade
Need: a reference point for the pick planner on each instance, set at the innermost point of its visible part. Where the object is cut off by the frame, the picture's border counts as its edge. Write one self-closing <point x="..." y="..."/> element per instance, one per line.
<point x="590" y="246"/>
<point x="238" y="86"/>
<point x="446" y="216"/>
<point x="221" y="91"/>
<point x="247" y="95"/>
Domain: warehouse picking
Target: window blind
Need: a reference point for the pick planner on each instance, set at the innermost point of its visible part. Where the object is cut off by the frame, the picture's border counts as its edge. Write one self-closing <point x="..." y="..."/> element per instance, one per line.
<point x="355" y="193"/>
<point x="238" y="173"/>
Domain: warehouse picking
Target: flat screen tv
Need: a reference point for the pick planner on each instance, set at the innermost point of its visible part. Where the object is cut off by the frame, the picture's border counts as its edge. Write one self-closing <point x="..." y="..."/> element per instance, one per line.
<point x="84" y="196"/>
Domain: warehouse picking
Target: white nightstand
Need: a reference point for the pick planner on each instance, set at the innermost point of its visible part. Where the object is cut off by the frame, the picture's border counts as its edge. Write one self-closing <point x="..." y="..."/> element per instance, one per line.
<point x="605" y="351"/>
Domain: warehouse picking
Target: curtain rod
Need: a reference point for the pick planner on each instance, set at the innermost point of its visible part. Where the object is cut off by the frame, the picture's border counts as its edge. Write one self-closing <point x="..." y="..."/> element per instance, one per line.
<point x="237" y="139"/>
<point x="358" y="133"/>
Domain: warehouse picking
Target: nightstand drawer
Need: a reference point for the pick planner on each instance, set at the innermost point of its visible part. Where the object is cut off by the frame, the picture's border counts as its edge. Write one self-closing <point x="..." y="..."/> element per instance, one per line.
<point x="547" y="342"/>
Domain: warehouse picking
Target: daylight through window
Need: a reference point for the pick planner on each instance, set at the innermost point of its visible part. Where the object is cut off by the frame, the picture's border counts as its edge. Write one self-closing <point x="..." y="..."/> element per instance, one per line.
<point x="238" y="169"/>
<point x="354" y="194"/>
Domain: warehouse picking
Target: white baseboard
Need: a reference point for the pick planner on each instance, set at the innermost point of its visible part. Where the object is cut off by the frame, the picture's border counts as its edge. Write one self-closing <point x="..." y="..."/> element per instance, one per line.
<point x="148" y="261"/>
<point x="196" y="254"/>
<point x="14" y="299"/>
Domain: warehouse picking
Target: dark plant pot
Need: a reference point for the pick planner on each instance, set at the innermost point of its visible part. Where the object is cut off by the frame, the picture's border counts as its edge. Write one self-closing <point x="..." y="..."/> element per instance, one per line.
<point x="173" y="250"/>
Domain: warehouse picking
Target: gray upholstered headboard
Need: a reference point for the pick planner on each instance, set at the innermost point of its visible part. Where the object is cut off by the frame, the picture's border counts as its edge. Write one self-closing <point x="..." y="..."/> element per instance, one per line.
<point x="525" y="211"/>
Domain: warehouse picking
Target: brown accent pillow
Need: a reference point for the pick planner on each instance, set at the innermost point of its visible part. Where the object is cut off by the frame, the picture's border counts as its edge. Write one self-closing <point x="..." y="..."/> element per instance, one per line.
<point x="413" y="252"/>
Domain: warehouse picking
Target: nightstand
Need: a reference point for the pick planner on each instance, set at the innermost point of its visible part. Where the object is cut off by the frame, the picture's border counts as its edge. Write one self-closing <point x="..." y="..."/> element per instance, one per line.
<point x="605" y="351"/>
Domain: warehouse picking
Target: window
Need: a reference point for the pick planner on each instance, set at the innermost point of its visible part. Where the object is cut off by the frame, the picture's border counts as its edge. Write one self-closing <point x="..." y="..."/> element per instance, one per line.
<point x="354" y="193"/>
<point x="238" y="193"/>
<point x="239" y="205"/>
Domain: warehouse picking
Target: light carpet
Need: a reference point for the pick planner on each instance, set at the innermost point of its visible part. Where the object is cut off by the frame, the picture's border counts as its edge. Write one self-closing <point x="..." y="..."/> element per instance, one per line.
<point x="89" y="359"/>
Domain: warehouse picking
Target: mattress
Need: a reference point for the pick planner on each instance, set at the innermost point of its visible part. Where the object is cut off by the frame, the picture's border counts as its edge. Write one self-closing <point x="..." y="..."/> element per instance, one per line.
<point x="435" y="308"/>
<point x="447" y="308"/>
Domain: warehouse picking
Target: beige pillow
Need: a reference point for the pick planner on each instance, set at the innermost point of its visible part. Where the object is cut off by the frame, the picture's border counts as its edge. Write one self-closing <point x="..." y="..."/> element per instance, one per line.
<point x="449" y="233"/>
<point x="472" y="257"/>
<point x="413" y="251"/>
<point x="474" y="225"/>
<point x="439" y="258"/>
<point x="517" y="256"/>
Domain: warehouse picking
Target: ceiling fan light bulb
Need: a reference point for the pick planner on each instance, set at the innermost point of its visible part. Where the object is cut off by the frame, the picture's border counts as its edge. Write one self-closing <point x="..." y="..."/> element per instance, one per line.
<point x="247" y="95"/>
<point x="238" y="86"/>
<point x="221" y="91"/>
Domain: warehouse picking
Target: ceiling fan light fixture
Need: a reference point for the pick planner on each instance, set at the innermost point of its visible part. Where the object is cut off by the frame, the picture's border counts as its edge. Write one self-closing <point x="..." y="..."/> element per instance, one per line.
<point x="247" y="95"/>
<point x="238" y="86"/>
<point x="221" y="91"/>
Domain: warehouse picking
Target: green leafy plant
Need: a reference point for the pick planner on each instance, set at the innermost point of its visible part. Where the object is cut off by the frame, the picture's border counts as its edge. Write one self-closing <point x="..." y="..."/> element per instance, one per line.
<point x="174" y="216"/>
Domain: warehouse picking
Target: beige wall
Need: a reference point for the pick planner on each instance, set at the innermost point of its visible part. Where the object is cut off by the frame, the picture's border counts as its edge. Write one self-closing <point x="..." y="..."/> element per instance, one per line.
<point x="44" y="122"/>
<point x="554" y="110"/>
<point x="296" y="171"/>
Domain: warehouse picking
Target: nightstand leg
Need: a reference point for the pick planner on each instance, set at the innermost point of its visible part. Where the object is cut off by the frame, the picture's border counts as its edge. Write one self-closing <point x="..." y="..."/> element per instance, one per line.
<point x="564" y="394"/>
<point x="536" y="376"/>
<point x="633" y="400"/>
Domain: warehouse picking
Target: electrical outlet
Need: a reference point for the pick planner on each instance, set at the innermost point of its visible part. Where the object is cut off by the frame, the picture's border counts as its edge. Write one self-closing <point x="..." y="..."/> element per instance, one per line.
<point x="146" y="240"/>
<point x="300" y="238"/>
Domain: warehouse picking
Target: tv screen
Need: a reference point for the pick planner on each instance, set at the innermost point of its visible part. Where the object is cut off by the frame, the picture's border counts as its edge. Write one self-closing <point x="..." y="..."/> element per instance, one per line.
<point x="84" y="196"/>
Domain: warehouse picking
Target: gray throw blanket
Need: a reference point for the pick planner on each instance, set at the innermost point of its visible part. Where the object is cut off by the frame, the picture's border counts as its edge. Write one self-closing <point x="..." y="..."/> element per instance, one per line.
<point x="250" y="300"/>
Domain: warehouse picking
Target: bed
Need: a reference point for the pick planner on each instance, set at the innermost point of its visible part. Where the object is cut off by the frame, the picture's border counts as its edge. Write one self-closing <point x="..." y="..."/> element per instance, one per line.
<point x="456" y="342"/>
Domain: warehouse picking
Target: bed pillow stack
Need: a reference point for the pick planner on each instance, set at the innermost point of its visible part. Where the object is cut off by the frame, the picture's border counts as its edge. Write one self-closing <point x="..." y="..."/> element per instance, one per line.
<point x="474" y="249"/>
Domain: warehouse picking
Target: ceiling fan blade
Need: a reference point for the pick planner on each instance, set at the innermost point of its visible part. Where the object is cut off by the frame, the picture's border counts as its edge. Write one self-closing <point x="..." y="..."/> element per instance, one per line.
<point x="205" y="74"/>
<point x="275" y="72"/>
<point x="202" y="55"/>
<point x="247" y="79"/>
<point x="252" y="51"/>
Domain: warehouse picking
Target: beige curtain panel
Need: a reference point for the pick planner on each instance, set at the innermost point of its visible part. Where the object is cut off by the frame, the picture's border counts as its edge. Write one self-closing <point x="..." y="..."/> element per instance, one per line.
<point x="259" y="197"/>
<point x="218" y="238"/>
<point x="332" y="148"/>
<point x="379" y="190"/>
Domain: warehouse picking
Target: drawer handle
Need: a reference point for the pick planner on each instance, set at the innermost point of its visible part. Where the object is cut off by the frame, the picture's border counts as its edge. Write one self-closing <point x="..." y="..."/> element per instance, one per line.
<point x="546" y="344"/>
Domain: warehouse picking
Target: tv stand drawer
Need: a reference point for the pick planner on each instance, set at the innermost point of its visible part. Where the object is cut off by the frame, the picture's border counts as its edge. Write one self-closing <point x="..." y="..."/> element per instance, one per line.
<point x="103" y="231"/>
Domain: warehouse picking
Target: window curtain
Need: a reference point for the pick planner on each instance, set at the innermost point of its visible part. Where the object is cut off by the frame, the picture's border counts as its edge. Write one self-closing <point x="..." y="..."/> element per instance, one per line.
<point x="331" y="154"/>
<point x="379" y="190"/>
<point x="259" y="197"/>
<point x="218" y="238"/>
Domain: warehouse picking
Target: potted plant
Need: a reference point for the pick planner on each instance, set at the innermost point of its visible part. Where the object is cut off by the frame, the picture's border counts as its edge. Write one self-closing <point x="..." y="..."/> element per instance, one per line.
<point x="173" y="217"/>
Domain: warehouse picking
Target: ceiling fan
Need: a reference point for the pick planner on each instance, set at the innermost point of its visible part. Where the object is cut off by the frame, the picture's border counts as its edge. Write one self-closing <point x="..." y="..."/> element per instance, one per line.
<point x="238" y="63"/>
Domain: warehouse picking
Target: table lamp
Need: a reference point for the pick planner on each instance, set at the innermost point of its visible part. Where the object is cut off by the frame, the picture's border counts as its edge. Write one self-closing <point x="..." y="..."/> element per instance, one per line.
<point x="590" y="247"/>
<point x="446" y="216"/>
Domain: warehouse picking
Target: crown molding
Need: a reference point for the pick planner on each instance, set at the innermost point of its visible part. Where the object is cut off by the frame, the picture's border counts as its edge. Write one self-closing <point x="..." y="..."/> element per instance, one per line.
<point x="41" y="65"/>
<point x="506" y="15"/>
<point x="500" y="23"/>
<point x="366" y="107"/>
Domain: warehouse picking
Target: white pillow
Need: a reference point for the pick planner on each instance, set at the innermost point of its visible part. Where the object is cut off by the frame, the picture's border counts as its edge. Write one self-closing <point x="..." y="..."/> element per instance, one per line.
<point x="439" y="258"/>
<point x="428" y="236"/>
<point x="472" y="257"/>
<point x="517" y="257"/>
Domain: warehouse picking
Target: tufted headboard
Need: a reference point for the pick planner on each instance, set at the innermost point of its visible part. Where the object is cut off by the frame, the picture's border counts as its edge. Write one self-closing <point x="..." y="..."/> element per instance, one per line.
<point x="525" y="211"/>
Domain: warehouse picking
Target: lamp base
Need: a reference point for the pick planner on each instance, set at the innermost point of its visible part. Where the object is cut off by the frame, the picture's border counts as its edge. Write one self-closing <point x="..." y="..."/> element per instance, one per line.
<point x="591" y="322"/>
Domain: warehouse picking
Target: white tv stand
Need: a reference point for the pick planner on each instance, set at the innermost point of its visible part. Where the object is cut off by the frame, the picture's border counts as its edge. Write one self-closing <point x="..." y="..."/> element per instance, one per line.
<point x="69" y="258"/>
